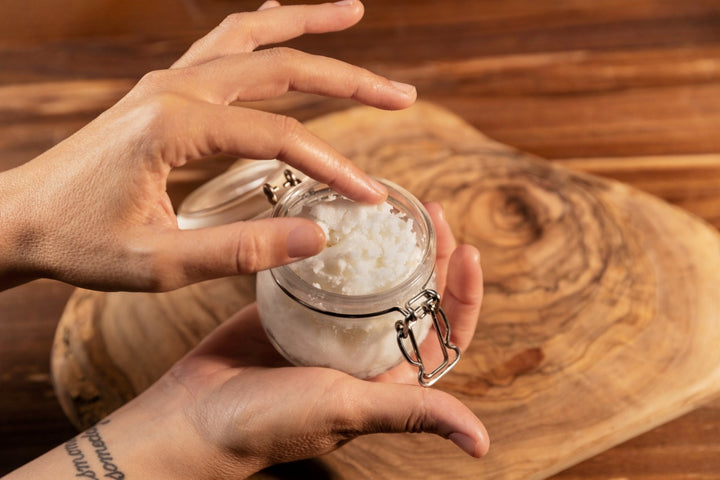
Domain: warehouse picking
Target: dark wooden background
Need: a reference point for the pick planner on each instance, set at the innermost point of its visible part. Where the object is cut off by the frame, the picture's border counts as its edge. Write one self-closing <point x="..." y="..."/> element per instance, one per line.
<point x="624" y="89"/>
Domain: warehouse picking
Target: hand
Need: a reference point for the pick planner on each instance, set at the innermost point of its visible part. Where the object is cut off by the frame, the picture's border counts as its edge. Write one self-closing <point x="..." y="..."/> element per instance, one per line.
<point x="93" y="210"/>
<point x="233" y="405"/>
<point x="244" y="408"/>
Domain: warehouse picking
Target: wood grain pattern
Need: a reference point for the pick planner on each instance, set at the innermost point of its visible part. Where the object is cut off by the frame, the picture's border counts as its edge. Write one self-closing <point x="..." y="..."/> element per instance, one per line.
<point x="599" y="323"/>
<point x="631" y="86"/>
<point x="98" y="363"/>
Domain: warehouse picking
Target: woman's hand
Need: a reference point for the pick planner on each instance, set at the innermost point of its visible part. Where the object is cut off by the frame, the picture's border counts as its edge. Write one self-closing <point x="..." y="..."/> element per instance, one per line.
<point x="247" y="409"/>
<point x="233" y="405"/>
<point x="93" y="211"/>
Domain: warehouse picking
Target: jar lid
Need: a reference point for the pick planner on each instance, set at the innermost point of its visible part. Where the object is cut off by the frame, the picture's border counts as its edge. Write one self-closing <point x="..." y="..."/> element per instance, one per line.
<point x="242" y="193"/>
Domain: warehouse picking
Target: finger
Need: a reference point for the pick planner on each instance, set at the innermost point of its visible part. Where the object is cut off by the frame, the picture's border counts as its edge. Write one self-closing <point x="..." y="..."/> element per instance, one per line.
<point x="445" y="243"/>
<point x="245" y="247"/>
<point x="268" y="5"/>
<point x="265" y="135"/>
<point x="243" y="32"/>
<point x="463" y="295"/>
<point x="273" y="72"/>
<point x="461" y="303"/>
<point x="430" y="350"/>
<point x="395" y="408"/>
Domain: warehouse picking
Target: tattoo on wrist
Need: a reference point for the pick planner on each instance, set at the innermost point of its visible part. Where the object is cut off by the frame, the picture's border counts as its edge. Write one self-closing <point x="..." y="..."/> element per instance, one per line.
<point x="81" y="463"/>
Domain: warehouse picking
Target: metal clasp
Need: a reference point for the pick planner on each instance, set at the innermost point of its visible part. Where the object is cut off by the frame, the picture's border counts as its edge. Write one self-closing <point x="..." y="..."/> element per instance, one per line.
<point x="426" y="303"/>
<point x="271" y="191"/>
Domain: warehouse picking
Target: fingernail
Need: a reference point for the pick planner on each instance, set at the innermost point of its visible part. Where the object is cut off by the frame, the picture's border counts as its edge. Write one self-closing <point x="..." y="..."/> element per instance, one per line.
<point x="379" y="188"/>
<point x="343" y="3"/>
<point x="268" y="4"/>
<point x="466" y="443"/>
<point x="304" y="241"/>
<point x="438" y="209"/>
<point x="405" y="88"/>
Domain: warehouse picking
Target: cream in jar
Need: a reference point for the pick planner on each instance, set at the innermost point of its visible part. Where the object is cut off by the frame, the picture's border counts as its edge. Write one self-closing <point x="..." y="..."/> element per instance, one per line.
<point x="351" y="306"/>
<point x="370" y="248"/>
<point x="367" y="301"/>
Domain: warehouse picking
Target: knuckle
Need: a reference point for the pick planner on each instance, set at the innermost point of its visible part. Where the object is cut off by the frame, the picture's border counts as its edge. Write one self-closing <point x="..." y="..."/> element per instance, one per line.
<point x="417" y="419"/>
<point x="235" y="20"/>
<point x="249" y="258"/>
<point x="282" y="54"/>
<point x="198" y="44"/>
<point x="288" y="127"/>
<point x="162" y="112"/>
<point x="169" y="80"/>
<point x="363" y="73"/>
<point x="159" y="122"/>
<point x="153" y="80"/>
<point x="239" y="24"/>
<point x="348" y="424"/>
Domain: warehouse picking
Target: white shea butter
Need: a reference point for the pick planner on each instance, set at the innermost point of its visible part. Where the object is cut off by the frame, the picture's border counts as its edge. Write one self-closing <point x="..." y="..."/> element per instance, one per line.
<point x="339" y="309"/>
<point x="370" y="248"/>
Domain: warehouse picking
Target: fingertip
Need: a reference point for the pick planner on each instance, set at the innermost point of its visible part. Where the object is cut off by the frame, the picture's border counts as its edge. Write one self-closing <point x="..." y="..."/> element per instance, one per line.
<point x="461" y="426"/>
<point x="408" y="91"/>
<point x="434" y="209"/>
<point x="352" y="11"/>
<point x="470" y="253"/>
<point x="357" y="185"/>
<point x="437" y="213"/>
<point x="305" y="240"/>
<point x="379" y="191"/>
<point x="268" y="5"/>
<point x="483" y="441"/>
<point x="484" y="444"/>
<point x="356" y="5"/>
<point x="388" y="94"/>
<point x="475" y="447"/>
<point x="360" y="9"/>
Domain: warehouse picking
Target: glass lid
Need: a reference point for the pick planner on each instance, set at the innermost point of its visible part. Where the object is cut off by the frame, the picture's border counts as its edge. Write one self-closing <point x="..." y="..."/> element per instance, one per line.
<point x="241" y="193"/>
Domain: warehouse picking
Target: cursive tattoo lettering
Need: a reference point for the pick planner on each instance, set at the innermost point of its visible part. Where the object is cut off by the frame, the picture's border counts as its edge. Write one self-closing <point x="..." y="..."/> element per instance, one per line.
<point x="82" y="467"/>
<point x="92" y="434"/>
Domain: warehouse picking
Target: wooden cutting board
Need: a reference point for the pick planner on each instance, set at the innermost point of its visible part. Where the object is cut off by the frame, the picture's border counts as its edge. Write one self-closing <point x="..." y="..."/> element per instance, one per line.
<point x="601" y="317"/>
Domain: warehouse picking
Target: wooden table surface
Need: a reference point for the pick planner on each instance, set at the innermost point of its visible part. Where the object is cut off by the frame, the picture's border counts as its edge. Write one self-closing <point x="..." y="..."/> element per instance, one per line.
<point x="627" y="90"/>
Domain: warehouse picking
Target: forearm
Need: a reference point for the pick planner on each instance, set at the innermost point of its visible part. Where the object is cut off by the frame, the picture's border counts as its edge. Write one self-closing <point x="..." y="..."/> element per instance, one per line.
<point x="131" y="444"/>
<point x="92" y="454"/>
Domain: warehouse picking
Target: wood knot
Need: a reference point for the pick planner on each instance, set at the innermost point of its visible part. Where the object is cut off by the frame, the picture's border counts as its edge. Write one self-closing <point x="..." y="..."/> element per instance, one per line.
<point x="519" y="214"/>
<point x="519" y="364"/>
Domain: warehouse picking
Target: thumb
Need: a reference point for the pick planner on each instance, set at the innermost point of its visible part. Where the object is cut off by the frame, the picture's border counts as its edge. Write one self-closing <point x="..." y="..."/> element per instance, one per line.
<point x="397" y="408"/>
<point x="238" y="248"/>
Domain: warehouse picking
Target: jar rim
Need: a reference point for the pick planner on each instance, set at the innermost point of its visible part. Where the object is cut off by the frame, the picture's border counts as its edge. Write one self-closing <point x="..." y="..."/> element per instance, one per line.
<point x="235" y="195"/>
<point x="358" y="305"/>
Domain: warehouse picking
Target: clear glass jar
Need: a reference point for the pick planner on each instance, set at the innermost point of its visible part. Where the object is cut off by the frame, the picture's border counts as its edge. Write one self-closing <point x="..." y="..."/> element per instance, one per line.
<point x="363" y="335"/>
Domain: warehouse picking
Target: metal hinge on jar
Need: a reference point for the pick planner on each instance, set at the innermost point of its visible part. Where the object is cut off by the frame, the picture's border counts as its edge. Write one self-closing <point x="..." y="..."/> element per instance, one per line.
<point x="426" y="303"/>
<point x="271" y="190"/>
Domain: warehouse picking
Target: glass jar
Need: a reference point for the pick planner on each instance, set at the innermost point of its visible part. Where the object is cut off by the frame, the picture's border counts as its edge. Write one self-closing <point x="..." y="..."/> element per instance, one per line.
<point x="363" y="335"/>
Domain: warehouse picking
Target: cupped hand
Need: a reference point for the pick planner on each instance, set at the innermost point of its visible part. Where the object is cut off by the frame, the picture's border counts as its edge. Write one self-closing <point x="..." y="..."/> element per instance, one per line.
<point x="93" y="211"/>
<point x="235" y="403"/>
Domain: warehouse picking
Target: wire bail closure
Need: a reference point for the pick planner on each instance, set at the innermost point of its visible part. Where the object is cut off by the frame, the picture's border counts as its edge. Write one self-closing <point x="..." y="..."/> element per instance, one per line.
<point x="271" y="191"/>
<point x="426" y="303"/>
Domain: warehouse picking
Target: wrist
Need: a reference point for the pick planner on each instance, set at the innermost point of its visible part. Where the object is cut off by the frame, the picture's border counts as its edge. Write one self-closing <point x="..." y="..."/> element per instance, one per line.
<point x="16" y="230"/>
<point x="137" y="441"/>
<point x="154" y="437"/>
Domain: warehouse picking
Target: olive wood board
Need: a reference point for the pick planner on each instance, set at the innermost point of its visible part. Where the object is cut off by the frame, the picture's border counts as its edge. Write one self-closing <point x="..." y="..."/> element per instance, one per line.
<point x="601" y="318"/>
